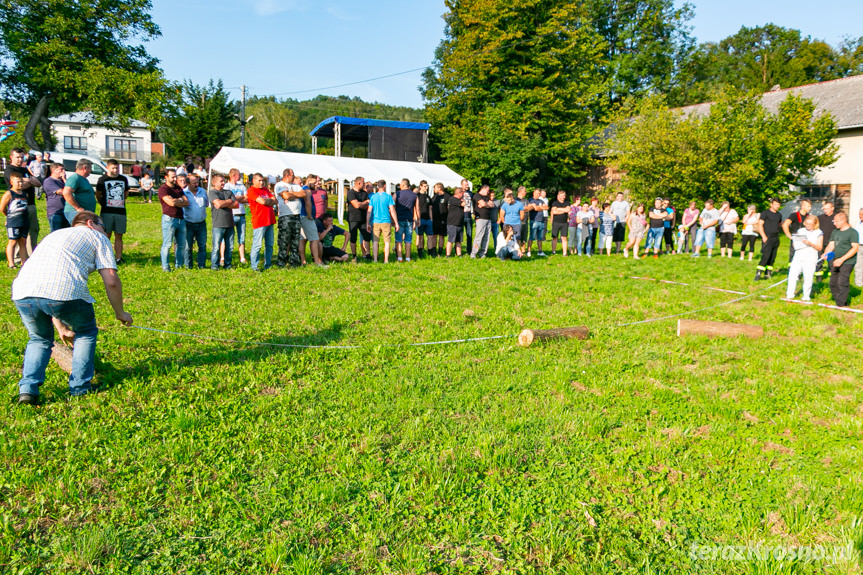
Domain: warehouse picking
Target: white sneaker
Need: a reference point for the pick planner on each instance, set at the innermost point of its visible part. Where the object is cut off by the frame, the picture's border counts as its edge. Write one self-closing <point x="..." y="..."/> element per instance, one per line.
<point x="407" y="259"/>
<point x="400" y="260"/>
<point x="542" y="255"/>
<point x="528" y="254"/>
<point x="322" y="265"/>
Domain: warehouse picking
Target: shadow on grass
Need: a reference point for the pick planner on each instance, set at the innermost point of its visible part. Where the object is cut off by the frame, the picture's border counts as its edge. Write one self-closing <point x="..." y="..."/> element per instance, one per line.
<point x="215" y="353"/>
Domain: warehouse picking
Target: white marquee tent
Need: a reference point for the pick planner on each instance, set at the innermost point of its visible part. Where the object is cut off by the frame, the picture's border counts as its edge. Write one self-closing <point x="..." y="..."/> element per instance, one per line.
<point x="344" y="170"/>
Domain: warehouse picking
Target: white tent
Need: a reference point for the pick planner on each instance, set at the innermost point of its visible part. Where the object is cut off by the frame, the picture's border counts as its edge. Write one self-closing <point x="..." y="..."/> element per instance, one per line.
<point x="344" y="170"/>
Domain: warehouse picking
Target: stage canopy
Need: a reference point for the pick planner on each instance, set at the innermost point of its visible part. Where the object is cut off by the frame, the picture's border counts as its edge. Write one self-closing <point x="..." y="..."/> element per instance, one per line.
<point x="344" y="170"/>
<point x="386" y="139"/>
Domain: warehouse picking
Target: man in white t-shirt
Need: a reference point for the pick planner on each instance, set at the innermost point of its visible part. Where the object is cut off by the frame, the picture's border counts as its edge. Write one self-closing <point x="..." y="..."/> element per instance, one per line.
<point x="289" y="197"/>
<point x="620" y="209"/>
<point x="235" y="184"/>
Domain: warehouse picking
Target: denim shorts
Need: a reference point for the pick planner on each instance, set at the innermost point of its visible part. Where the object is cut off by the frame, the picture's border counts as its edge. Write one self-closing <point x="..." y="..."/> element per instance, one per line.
<point x="425" y="228"/>
<point x="405" y="232"/>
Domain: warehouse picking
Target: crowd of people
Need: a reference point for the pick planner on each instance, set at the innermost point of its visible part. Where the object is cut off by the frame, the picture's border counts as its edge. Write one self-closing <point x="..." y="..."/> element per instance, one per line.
<point x="424" y="221"/>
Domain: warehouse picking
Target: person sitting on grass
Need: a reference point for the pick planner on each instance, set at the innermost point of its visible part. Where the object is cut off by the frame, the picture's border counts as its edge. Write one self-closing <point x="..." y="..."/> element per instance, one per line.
<point x="807" y="243"/>
<point x="507" y="245"/>
<point x="14" y="205"/>
<point x="327" y="233"/>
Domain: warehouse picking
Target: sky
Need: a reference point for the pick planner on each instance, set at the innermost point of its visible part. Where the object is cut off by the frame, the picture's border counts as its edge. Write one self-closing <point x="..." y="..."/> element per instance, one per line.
<point x="302" y="48"/>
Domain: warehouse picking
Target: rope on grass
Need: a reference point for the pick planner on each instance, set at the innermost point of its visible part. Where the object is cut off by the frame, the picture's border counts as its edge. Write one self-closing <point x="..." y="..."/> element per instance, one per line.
<point x="301" y="346"/>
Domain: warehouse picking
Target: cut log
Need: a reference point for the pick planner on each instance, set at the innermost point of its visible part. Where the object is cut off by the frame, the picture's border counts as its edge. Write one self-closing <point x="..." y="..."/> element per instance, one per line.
<point x="717" y="329"/>
<point x="62" y="354"/>
<point x="528" y="336"/>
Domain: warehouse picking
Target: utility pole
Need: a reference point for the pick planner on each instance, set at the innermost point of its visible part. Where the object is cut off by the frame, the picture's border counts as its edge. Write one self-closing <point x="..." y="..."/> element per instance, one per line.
<point x="243" y="118"/>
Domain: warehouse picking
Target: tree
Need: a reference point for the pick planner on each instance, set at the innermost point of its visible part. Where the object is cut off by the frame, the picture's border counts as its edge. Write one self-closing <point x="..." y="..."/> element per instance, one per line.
<point x="511" y="90"/>
<point x="281" y="126"/>
<point x="738" y="151"/>
<point x="205" y="121"/>
<point x="58" y="56"/>
<point x="644" y="43"/>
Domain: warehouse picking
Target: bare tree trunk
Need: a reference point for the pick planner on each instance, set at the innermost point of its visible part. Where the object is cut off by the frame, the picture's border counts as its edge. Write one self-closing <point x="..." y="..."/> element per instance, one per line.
<point x="41" y="111"/>
<point x="47" y="137"/>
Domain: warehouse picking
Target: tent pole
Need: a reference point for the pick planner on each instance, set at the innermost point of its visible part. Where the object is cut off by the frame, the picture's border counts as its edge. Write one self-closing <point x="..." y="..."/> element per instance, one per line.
<point x="340" y="209"/>
<point x="338" y="135"/>
<point x="314" y="145"/>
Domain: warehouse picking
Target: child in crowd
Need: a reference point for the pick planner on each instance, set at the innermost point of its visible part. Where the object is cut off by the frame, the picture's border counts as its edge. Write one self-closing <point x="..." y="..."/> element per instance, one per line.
<point x="14" y="205"/>
<point x="681" y="238"/>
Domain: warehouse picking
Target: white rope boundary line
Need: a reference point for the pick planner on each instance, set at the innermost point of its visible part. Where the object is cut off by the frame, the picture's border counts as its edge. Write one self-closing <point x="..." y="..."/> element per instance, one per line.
<point x="300" y="346"/>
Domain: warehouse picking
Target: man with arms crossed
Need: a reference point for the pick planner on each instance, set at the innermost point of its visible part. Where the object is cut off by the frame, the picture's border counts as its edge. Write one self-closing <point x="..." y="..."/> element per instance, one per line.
<point x="620" y="209"/>
<point x="195" y="215"/>
<point x="408" y="215"/>
<point x="51" y="289"/>
<point x="290" y="207"/>
<point x="261" y="202"/>
<point x="439" y="204"/>
<point x="358" y="207"/>
<point x="425" y="228"/>
<point x="482" y="206"/>
<point x="236" y="186"/>
<point x="223" y="203"/>
<point x="172" y="200"/>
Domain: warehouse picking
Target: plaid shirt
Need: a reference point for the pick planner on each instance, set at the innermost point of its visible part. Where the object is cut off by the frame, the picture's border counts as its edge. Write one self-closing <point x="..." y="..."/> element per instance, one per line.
<point x="61" y="264"/>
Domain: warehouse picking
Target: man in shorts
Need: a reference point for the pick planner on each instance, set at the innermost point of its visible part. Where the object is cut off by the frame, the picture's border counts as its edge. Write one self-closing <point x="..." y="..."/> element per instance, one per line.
<point x="112" y="190"/>
<point x="327" y="233"/>
<point x="439" y="203"/>
<point x="620" y="209"/>
<point x="706" y="234"/>
<point x="358" y="206"/>
<point x="455" y="221"/>
<point x="425" y="229"/>
<point x="381" y="215"/>
<point x="408" y="217"/>
<point x="559" y="223"/>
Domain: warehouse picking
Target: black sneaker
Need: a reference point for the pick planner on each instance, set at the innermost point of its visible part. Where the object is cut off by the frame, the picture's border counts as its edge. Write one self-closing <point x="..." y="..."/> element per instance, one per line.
<point x="758" y="275"/>
<point x="27" y="399"/>
<point x="120" y="261"/>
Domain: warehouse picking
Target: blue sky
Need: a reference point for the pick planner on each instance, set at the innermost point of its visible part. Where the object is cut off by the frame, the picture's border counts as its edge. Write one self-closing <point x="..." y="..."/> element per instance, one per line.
<point x="292" y="48"/>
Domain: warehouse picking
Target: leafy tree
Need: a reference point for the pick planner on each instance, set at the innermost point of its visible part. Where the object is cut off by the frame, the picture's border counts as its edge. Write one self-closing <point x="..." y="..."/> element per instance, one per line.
<point x="738" y="151"/>
<point x="644" y="43"/>
<point x="204" y="121"/>
<point x="61" y="56"/>
<point x="511" y="89"/>
<point x="282" y="130"/>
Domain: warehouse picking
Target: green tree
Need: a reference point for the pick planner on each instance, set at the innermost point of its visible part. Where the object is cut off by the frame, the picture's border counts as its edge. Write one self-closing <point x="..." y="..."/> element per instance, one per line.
<point x="204" y="122"/>
<point x="512" y="88"/>
<point x="644" y="43"/>
<point x="281" y="126"/>
<point x="738" y="151"/>
<point x="58" y="56"/>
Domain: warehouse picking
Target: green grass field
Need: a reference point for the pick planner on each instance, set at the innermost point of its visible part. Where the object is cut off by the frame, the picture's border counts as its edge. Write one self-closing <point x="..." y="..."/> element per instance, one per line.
<point x="612" y="455"/>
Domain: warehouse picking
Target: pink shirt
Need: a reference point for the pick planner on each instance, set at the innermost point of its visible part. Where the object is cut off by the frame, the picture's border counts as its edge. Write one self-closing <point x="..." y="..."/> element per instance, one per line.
<point x="689" y="216"/>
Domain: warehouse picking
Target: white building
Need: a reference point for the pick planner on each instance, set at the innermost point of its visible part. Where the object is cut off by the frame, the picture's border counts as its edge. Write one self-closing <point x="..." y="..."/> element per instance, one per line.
<point x="78" y="134"/>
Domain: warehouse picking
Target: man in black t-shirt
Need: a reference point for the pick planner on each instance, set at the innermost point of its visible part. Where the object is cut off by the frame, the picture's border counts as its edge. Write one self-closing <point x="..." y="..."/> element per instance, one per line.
<point x="112" y="189"/>
<point x="425" y="228"/>
<point x="482" y="207"/>
<point x="439" y="213"/>
<point x="17" y="165"/>
<point x="358" y="207"/>
<point x="826" y="225"/>
<point x="794" y="222"/>
<point x="454" y="221"/>
<point x="768" y="226"/>
<point x="559" y="222"/>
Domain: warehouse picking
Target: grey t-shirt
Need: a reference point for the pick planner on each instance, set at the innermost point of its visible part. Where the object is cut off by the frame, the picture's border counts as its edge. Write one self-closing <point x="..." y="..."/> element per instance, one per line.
<point x="709" y="216"/>
<point x="222" y="217"/>
<point x="619" y="209"/>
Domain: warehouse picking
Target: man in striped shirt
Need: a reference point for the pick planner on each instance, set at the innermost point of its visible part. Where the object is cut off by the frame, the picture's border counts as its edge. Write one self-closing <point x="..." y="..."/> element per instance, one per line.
<point x="51" y="289"/>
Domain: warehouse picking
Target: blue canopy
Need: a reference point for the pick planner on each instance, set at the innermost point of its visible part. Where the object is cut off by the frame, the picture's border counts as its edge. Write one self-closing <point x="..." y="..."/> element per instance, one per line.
<point x="356" y="129"/>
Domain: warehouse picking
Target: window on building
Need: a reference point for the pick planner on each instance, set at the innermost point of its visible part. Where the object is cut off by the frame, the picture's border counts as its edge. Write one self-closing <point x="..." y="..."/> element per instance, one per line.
<point x="125" y="149"/>
<point x="74" y="144"/>
<point x="839" y="194"/>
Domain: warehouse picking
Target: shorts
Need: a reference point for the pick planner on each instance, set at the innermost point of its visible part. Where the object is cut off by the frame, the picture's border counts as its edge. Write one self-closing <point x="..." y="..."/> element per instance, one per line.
<point x="405" y="232"/>
<point x="331" y="252"/>
<point x="706" y="236"/>
<point x="17" y="233"/>
<point x="453" y="234"/>
<point x="619" y="232"/>
<point x="559" y="228"/>
<point x="516" y="231"/>
<point x="308" y="229"/>
<point x="425" y="228"/>
<point x="439" y="227"/>
<point x="382" y="230"/>
<point x="538" y="231"/>
<point x="354" y="227"/>
<point x="726" y="240"/>
<point x="114" y="223"/>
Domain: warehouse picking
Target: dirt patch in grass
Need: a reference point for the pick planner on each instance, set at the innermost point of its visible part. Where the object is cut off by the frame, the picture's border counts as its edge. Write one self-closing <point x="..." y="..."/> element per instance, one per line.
<point x="770" y="446"/>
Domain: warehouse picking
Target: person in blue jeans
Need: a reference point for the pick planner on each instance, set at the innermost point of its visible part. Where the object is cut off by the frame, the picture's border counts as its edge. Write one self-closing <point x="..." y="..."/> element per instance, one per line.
<point x="173" y="200"/>
<point x="51" y="290"/>
<point x="195" y="216"/>
<point x="657" y="216"/>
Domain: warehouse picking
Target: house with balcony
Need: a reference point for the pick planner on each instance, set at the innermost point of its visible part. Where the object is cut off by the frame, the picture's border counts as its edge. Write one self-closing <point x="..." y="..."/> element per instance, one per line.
<point x="79" y="134"/>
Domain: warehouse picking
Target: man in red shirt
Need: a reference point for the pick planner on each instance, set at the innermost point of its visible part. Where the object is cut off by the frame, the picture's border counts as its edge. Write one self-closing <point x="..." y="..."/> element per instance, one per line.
<point x="173" y="200"/>
<point x="261" y="201"/>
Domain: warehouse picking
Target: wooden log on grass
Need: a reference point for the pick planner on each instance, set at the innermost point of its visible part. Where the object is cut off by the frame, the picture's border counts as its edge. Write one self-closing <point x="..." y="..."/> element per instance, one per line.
<point x="717" y="329"/>
<point x="528" y="336"/>
<point x="62" y="354"/>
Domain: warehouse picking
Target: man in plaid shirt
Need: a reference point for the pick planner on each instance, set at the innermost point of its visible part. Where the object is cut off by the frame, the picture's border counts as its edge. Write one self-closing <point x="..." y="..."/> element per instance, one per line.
<point x="51" y="289"/>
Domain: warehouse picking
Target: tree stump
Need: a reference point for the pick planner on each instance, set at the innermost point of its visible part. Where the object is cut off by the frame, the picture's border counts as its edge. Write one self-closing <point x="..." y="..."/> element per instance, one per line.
<point x="528" y="336"/>
<point x="717" y="329"/>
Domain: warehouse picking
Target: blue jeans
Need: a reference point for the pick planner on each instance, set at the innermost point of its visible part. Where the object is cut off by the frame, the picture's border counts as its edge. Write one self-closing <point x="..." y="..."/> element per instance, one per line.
<point x="654" y="238"/>
<point x="196" y="233"/>
<point x="264" y="236"/>
<point x="58" y="221"/>
<point x="173" y="231"/>
<point x="240" y="227"/>
<point x="36" y="314"/>
<point x="219" y="234"/>
<point x="405" y="233"/>
<point x="495" y="229"/>
<point x="583" y="240"/>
